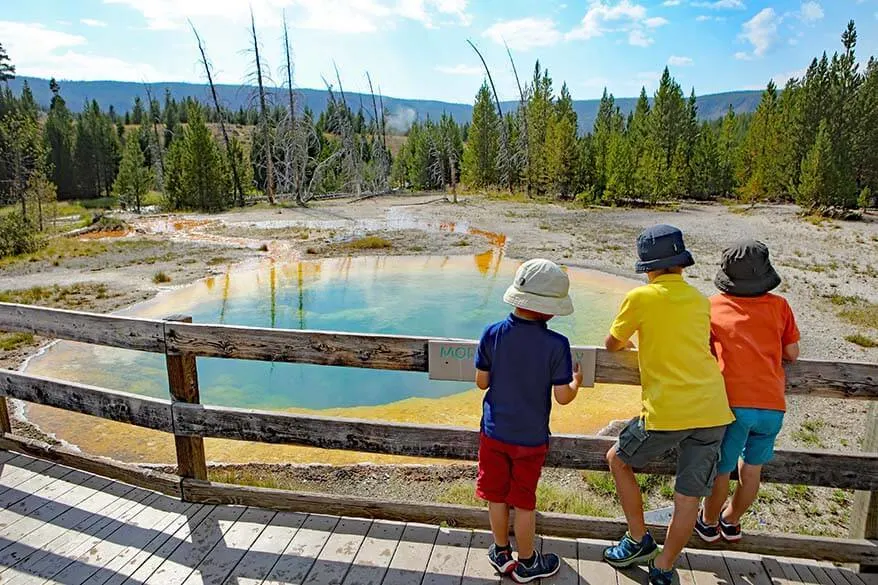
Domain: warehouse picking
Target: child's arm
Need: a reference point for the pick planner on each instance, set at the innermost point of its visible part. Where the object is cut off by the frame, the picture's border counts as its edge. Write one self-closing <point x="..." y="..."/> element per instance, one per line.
<point x="483" y="379"/>
<point x="565" y="393"/>
<point x="791" y="352"/>
<point x="613" y="344"/>
<point x="625" y="325"/>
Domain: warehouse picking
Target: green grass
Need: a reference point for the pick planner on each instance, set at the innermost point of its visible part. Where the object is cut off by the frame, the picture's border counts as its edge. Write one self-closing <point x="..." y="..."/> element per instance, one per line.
<point x="864" y="314"/>
<point x="65" y="297"/>
<point x="601" y="482"/>
<point x="861" y="340"/>
<point x="808" y="433"/>
<point x="370" y="243"/>
<point x="99" y="203"/>
<point x="797" y="492"/>
<point x="550" y="498"/>
<point x="217" y="261"/>
<point x="462" y="243"/>
<point x="160" y="277"/>
<point x="11" y="341"/>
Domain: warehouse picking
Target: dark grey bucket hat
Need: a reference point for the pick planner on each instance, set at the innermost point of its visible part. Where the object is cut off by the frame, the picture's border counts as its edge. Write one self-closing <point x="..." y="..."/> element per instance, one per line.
<point x="746" y="271"/>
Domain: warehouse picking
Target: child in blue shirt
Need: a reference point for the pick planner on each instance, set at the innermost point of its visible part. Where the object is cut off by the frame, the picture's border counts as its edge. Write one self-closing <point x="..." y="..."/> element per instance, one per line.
<point x="521" y="363"/>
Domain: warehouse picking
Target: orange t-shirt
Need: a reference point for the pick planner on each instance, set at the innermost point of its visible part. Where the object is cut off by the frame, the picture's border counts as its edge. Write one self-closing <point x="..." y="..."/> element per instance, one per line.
<point x="747" y="335"/>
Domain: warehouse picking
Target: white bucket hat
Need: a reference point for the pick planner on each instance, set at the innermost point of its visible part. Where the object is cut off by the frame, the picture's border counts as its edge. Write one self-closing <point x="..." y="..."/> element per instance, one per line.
<point x="541" y="286"/>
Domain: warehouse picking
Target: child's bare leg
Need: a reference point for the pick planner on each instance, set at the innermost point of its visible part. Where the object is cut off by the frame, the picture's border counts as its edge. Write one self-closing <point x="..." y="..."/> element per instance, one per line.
<point x="499" y="516"/>
<point x="714" y="503"/>
<point x="748" y="488"/>
<point x="679" y="531"/>
<point x="629" y="494"/>
<point x="525" y="529"/>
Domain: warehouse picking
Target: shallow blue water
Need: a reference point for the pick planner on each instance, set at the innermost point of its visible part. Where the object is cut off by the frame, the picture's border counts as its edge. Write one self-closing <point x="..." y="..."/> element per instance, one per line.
<point x="441" y="297"/>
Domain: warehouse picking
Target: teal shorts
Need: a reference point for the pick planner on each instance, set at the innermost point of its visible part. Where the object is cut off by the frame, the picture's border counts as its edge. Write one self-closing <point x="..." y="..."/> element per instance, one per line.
<point x="751" y="436"/>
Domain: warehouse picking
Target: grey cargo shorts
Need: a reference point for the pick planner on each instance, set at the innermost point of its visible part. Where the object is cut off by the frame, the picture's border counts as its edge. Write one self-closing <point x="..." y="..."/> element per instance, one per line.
<point x="697" y="453"/>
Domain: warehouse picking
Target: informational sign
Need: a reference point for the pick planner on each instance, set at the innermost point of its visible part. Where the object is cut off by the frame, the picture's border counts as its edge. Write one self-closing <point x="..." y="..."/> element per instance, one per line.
<point x="455" y="361"/>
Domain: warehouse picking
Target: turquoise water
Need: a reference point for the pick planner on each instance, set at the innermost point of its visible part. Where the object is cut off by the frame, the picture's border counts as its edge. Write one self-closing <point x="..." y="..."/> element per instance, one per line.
<point x="432" y="296"/>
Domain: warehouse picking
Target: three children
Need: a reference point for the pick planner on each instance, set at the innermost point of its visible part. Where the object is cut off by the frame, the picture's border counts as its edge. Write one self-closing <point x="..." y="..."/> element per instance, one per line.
<point x="697" y="358"/>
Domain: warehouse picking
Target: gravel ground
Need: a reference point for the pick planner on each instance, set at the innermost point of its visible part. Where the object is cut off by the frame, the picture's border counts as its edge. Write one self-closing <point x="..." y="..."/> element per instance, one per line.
<point x="817" y="260"/>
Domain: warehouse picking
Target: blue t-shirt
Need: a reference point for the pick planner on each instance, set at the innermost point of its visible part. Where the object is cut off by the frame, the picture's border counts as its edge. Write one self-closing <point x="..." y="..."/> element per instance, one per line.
<point x="525" y="359"/>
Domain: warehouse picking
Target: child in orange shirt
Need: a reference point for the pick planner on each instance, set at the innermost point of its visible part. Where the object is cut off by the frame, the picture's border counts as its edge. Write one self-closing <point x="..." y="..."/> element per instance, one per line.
<point x="752" y="334"/>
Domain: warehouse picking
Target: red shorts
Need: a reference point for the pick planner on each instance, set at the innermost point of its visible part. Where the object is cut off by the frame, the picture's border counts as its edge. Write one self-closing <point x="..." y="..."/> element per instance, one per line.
<point x="508" y="474"/>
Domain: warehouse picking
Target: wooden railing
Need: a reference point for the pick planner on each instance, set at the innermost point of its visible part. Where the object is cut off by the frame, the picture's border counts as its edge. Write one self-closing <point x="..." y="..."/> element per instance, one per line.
<point x="190" y="422"/>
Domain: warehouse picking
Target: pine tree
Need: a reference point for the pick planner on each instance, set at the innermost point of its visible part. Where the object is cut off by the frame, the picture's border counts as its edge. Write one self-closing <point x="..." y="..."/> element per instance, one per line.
<point x="137" y="114"/>
<point x="59" y="135"/>
<point x="728" y="148"/>
<point x="540" y="109"/>
<point x="7" y="69"/>
<point x="761" y="169"/>
<point x="865" y="139"/>
<point x="607" y="123"/>
<point x="206" y="178"/>
<point x="706" y="164"/>
<point x="22" y="153"/>
<point x="171" y="119"/>
<point x="638" y="135"/>
<point x="134" y="178"/>
<point x="620" y="169"/>
<point x="668" y="121"/>
<point x="818" y="181"/>
<point x="561" y="149"/>
<point x="480" y="152"/>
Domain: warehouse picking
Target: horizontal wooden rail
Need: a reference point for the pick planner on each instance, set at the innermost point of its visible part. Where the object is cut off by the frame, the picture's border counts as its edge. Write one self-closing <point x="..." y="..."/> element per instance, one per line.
<point x="384" y="352"/>
<point x="551" y="524"/>
<point x="816" y="468"/>
<point x="142" y="411"/>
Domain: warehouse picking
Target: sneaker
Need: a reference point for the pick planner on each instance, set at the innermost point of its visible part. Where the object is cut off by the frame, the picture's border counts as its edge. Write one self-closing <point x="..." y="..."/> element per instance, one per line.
<point x="544" y="565"/>
<point x="707" y="532"/>
<point x="730" y="532"/>
<point x="630" y="552"/>
<point x="661" y="577"/>
<point x="501" y="559"/>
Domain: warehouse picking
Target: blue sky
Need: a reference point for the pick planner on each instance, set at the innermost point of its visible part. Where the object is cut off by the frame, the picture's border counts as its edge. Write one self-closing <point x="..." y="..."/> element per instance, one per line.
<point x="417" y="48"/>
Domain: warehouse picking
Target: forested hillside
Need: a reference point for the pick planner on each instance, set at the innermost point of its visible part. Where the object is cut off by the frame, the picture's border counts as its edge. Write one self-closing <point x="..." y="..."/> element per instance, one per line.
<point x="400" y="112"/>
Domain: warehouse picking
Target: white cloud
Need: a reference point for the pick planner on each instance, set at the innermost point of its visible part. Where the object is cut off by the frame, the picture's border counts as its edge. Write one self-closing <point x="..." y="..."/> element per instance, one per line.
<point x="626" y="16"/>
<point x="760" y="31"/>
<point x="721" y="5"/>
<point x="743" y="56"/>
<point x="42" y="52"/>
<point x="460" y="69"/>
<point x="342" y="16"/>
<point x="638" y="39"/>
<point x="676" y="61"/>
<point x="92" y="22"/>
<point x="525" y="33"/>
<point x="810" y="12"/>
<point x="671" y="3"/>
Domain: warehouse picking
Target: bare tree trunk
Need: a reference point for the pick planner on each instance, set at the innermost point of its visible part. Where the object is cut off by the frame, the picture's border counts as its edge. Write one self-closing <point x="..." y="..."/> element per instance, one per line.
<point x="263" y="111"/>
<point x="157" y="150"/>
<point x="504" y="137"/>
<point x="239" y="191"/>
<point x="297" y="180"/>
<point x="523" y="108"/>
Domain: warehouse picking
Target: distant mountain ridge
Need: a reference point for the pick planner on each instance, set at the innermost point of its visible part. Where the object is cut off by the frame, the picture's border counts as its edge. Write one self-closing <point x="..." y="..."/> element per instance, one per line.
<point x="401" y="112"/>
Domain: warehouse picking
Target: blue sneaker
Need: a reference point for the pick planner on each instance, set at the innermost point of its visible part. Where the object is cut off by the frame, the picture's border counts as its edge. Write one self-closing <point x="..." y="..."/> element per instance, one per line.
<point x="630" y="552"/>
<point x="543" y="565"/>
<point x="501" y="559"/>
<point x="661" y="577"/>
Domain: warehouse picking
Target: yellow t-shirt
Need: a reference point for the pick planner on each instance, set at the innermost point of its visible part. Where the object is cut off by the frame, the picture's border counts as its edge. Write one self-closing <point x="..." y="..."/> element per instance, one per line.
<point x="682" y="384"/>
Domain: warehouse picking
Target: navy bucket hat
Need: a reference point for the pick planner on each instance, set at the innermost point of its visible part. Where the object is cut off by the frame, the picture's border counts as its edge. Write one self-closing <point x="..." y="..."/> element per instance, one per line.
<point x="660" y="247"/>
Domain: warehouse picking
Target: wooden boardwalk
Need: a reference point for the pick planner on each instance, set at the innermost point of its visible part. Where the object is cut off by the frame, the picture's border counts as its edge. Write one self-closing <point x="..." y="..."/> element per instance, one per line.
<point x="60" y="525"/>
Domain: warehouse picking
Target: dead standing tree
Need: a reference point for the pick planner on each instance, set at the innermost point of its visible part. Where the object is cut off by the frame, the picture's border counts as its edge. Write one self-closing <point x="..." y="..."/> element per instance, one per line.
<point x="521" y="151"/>
<point x="264" y="122"/>
<point x="341" y="120"/>
<point x="379" y="156"/>
<point x="158" y="156"/>
<point x="506" y="162"/>
<point x="239" y="191"/>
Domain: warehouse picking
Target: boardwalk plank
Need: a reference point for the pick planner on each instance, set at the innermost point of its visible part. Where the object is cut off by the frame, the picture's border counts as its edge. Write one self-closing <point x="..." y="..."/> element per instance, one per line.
<point x="592" y="569"/>
<point x="375" y="554"/>
<point x="74" y="544"/>
<point x="177" y="567"/>
<point x="338" y="554"/>
<point x="746" y="569"/>
<point x="231" y="548"/>
<point x="142" y="563"/>
<point x="26" y="496"/>
<point x="107" y="555"/>
<point x="18" y="469"/>
<point x="44" y="506"/>
<point x="412" y="554"/>
<point x="566" y="550"/>
<point x="303" y="550"/>
<point x="266" y="551"/>
<point x="448" y="558"/>
<point x="478" y="571"/>
<point x="708" y="568"/>
<point x="780" y="572"/>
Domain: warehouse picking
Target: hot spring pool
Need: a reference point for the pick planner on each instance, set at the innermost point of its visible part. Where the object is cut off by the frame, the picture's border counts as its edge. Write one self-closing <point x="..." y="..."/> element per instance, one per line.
<point x="432" y="296"/>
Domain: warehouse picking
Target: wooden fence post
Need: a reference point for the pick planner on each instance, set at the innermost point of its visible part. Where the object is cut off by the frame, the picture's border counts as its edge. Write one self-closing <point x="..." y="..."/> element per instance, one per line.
<point x="5" y="421"/>
<point x="183" y="382"/>
<point x="864" y="512"/>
